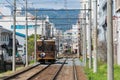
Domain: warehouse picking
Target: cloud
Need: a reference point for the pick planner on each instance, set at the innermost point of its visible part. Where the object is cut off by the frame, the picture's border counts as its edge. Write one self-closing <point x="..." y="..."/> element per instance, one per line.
<point x="54" y="4"/>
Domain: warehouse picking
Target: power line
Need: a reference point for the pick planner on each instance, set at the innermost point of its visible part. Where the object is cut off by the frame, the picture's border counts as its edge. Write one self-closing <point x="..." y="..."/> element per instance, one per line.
<point x="10" y="3"/>
<point x="21" y="3"/>
<point x="54" y="9"/>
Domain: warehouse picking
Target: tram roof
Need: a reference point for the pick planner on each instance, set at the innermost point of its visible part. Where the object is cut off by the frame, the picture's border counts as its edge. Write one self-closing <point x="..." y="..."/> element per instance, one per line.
<point x="51" y="40"/>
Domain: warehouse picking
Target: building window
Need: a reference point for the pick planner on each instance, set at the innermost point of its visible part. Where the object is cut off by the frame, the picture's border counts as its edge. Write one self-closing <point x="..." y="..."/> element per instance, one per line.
<point x="1" y="37"/>
<point x="8" y="38"/>
<point x="5" y="37"/>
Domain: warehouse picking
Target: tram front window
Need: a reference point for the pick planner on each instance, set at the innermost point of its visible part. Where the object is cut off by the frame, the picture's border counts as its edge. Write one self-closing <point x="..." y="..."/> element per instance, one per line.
<point x="46" y="48"/>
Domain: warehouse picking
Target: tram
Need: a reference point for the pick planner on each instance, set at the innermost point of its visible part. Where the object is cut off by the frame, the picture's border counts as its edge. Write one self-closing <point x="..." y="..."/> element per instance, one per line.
<point x="46" y="51"/>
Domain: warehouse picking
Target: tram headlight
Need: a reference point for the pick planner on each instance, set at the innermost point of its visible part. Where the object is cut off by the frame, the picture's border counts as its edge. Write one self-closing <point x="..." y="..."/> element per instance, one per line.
<point x="42" y="55"/>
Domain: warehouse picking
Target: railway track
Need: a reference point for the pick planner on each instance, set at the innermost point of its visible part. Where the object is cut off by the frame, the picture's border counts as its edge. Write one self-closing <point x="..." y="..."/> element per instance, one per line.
<point x="75" y="76"/>
<point x="50" y="73"/>
<point x="25" y="74"/>
<point x="69" y="71"/>
<point x="57" y="71"/>
<point x="38" y="72"/>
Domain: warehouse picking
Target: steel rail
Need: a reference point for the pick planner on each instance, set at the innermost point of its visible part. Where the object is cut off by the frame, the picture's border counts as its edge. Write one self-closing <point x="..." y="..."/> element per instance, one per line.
<point x="36" y="74"/>
<point x="21" y="72"/>
<point x="74" y="71"/>
<point x="57" y="72"/>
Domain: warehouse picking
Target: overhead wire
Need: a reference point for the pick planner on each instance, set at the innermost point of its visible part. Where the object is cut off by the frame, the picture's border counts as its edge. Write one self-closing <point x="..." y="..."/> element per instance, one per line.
<point x="50" y="10"/>
<point x="9" y="3"/>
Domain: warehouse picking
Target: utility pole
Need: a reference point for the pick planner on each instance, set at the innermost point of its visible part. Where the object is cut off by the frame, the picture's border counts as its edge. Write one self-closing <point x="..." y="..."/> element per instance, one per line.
<point x="84" y="37"/>
<point x="26" y="28"/>
<point x="79" y="37"/>
<point x="52" y="32"/>
<point x="35" y="38"/>
<point x="89" y="36"/>
<point x="58" y="41"/>
<point x="42" y="28"/>
<point x="110" y="68"/>
<point x="95" y="39"/>
<point x="14" y="38"/>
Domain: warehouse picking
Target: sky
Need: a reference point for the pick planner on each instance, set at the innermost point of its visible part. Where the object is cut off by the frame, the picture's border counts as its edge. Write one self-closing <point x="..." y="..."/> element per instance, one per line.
<point x="54" y="4"/>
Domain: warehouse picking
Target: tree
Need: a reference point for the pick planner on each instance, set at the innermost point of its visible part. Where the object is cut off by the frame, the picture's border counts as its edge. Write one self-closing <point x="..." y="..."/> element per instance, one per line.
<point x="31" y="44"/>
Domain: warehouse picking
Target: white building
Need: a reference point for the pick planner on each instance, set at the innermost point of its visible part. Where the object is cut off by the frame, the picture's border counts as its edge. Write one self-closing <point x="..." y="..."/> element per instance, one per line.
<point x="7" y="22"/>
<point x="102" y="20"/>
<point x="44" y="27"/>
<point x="59" y="40"/>
<point x="21" y="39"/>
<point x="5" y="39"/>
<point x="117" y="10"/>
<point x="68" y="36"/>
<point x="68" y="39"/>
<point x="5" y="36"/>
<point x="103" y="26"/>
<point x="75" y="47"/>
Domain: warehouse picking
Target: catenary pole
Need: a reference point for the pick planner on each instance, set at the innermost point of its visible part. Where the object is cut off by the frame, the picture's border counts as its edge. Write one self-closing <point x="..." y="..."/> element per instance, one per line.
<point x="110" y="69"/>
<point x="79" y="38"/>
<point x="14" y="39"/>
<point x="35" y="38"/>
<point x="89" y="36"/>
<point x="84" y="36"/>
<point x="42" y="28"/>
<point x="95" y="39"/>
<point x="26" y="28"/>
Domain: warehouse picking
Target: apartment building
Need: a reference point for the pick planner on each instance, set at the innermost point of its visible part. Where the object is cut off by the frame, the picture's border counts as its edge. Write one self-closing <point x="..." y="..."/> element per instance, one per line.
<point x="67" y="43"/>
<point x="5" y="36"/>
<point x="102" y="20"/>
<point x="103" y="27"/>
<point x="6" y="43"/>
<point x="44" y="26"/>
<point x="75" y="43"/>
<point x="117" y="10"/>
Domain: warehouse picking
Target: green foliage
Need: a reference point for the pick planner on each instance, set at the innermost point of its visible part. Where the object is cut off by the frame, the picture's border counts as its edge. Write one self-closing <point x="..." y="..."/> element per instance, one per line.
<point x="117" y="72"/>
<point x="32" y="62"/>
<point x="69" y="50"/>
<point x="31" y="44"/>
<point x="102" y="72"/>
<point x="81" y="58"/>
